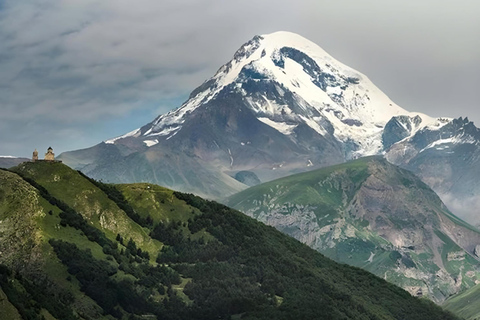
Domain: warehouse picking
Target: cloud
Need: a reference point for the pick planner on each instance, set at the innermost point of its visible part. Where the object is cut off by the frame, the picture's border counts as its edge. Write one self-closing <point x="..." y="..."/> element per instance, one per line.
<point x="72" y="59"/>
<point x="75" y="63"/>
<point x="468" y="209"/>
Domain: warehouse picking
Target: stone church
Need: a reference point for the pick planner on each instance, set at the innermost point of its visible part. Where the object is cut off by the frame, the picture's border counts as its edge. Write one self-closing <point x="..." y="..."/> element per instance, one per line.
<point x="49" y="156"/>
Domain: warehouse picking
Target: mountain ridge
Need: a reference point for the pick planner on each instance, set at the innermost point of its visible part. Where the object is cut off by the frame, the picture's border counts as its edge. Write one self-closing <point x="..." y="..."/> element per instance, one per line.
<point x="11" y="161"/>
<point x="372" y="214"/>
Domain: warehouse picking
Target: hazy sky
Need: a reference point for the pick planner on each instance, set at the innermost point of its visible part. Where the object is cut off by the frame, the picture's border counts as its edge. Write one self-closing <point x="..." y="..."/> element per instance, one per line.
<point x="76" y="72"/>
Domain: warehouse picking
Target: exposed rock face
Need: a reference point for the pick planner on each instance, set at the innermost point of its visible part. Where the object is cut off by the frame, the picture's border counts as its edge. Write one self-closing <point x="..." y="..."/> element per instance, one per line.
<point x="371" y="214"/>
<point x="476" y="251"/>
<point x="448" y="160"/>
<point x="399" y="128"/>
<point x="247" y="177"/>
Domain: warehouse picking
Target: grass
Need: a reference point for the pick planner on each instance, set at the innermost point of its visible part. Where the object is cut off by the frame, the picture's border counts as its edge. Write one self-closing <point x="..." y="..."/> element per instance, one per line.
<point x="161" y="205"/>
<point x="157" y="202"/>
<point x="47" y="226"/>
<point x="79" y="193"/>
<point x="305" y="188"/>
<point x="47" y="315"/>
<point x="465" y="304"/>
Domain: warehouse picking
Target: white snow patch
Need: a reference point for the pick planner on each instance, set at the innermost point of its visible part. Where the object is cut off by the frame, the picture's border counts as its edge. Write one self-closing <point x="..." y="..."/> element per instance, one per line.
<point x="282" y="127"/>
<point x="130" y="134"/>
<point x="427" y="122"/>
<point x="452" y="140"/>
<point x="173" y="134"/>
<point x="334" y="90"/>
<point x="166" y="131"/>
<point x="314" y="125"/>
<point x="150" y="143"/>
<point x="231" y="157"/>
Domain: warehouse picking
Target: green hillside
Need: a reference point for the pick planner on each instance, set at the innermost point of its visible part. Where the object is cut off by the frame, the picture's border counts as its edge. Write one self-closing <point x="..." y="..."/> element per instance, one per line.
<point x="465" y="304"/>
<point x="371" y="214"/>
<point x="74" y="248"/>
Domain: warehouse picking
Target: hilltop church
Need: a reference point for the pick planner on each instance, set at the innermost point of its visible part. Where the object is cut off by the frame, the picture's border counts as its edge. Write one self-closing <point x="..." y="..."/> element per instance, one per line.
<point x="49" y="156"/>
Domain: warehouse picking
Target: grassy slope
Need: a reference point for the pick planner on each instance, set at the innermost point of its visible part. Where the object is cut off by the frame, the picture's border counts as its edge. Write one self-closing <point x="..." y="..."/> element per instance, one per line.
<point x="304" y="188"/>
<point x="69" y="186"/>
<point x="328" y="199"/>
<point x="246" y="256"/>
<point x="466" y="304"/>
<point x="22" y="208"/>
<point x="7" y="310"/>
<point x="20" y="199"/>
<point x="158" y="202"/>
<point x="342" y="286"/>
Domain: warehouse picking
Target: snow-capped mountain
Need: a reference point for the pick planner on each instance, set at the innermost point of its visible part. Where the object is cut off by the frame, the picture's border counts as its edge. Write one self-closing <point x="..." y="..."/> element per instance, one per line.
<point x="282" y="105"/>
<point x="447" y="159"/>
<point x="286" y="81"/>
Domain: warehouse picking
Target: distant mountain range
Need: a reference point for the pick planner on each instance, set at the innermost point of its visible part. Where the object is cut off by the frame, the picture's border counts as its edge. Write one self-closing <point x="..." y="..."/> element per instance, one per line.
<point x="282" y="105"/>
<point x="447" y="159"/>
<point x="374" y="215"/>
<point x="10" y="161"/>
<point x="73" y="248"/>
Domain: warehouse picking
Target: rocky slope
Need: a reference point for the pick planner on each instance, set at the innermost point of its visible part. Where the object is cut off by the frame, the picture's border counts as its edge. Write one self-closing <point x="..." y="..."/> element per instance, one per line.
<point x="73" y="248"/>
<point x="374" y="215"/>
<point x="447" y="159"/>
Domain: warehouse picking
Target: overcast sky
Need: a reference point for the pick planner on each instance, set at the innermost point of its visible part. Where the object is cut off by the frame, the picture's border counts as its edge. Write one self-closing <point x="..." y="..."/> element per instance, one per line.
<point x="76" y="72"/>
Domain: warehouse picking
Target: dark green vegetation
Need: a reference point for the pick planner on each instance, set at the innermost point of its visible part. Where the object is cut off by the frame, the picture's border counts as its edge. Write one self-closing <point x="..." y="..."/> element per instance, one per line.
<point x="78" y="249"/>
<point x="371" y="214"/>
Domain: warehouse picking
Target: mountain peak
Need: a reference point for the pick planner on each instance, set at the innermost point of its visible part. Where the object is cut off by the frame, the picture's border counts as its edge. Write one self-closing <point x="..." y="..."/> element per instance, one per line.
<point x="280" y="39"/>
<point x="308" y="87"/>
<point x="281" y="105"/>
